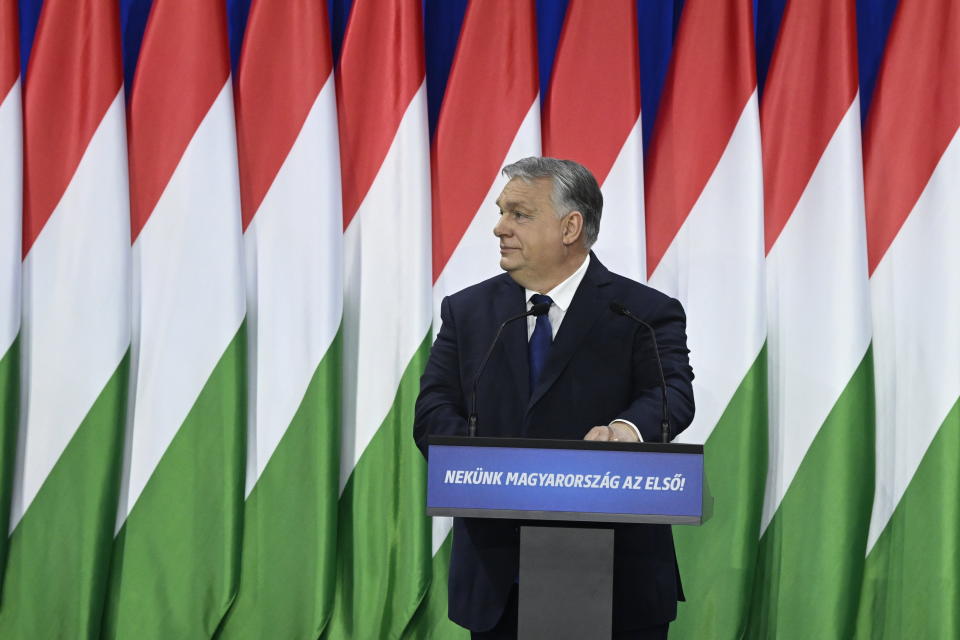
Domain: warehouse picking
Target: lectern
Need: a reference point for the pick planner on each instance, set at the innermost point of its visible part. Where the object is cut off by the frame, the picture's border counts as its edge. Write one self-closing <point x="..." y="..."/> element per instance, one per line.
<point x="562" y="491"/>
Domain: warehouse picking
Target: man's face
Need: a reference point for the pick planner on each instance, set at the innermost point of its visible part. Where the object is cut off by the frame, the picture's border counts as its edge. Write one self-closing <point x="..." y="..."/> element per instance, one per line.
<point x="531" y="236"/>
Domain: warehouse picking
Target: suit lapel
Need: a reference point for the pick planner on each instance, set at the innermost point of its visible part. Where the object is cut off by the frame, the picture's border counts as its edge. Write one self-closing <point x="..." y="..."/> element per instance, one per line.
<point x="513" y="341"/>
<point x="590" y="302"/>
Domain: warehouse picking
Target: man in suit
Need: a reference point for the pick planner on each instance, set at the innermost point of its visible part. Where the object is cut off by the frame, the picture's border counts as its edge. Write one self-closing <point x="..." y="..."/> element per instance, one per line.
<point x="578" y="371"/>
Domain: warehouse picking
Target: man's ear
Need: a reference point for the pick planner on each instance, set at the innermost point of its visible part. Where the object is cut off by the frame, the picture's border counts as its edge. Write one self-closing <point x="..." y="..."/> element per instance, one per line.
<point x="572" y="227"/>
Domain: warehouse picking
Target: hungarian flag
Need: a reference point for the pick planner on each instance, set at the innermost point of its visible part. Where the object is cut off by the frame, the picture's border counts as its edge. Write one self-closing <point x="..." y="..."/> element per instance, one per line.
<point x="11" y="187"/>
<point x="912" y="187"/>
<point x="383" y="547"/>
<point x="705" y="247"/>
<point x="290" y="192"/>
<point x="76" y="318"/>
<point x="176" y="557"/>
<point x="76" y="322"/>
<point x="820" y="385"/>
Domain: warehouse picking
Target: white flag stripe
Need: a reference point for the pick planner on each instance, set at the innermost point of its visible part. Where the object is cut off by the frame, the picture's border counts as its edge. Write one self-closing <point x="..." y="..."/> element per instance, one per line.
<point x="714" y="266"/>
<point x="387" y="275"/>
<point x="188" y="297"/>
<point x="477" y="256"/>
<point x="622" y="245"/>
<point x="294" y="270"/>
<point x="440" y="529"/>
<point x="11" y="205"/>
<point x="76" y="284"/>
<point x="916" y="303"/>
<point x="817" y="304"/>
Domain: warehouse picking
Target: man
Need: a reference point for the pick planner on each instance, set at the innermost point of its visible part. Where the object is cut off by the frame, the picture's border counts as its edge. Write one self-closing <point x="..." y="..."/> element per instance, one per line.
<point x="579" y="371"/>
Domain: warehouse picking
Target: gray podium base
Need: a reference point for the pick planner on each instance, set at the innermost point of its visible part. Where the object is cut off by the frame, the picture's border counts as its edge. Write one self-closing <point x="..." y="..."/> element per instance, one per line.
<point x="566" y="583"/>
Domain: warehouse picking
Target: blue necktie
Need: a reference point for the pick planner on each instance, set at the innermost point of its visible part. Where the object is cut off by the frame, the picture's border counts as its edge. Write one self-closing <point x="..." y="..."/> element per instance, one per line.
<point x="540" y="341"/>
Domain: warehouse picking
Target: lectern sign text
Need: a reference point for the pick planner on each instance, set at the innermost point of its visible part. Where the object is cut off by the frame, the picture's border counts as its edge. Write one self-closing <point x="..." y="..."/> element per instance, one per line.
<point x="616" y="483"/>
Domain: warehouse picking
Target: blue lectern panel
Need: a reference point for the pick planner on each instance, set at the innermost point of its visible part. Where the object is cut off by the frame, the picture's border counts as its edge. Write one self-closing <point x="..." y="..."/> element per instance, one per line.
<point x="565" y="484"/>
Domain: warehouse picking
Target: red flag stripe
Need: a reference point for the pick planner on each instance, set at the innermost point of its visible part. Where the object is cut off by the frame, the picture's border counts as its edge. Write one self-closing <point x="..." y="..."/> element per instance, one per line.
<point x="485" y="102"/>
<point x="286" y="60"/>
<point x="711" y="77"/>
<point x="594" y="99"/>
<point x="184" y="63"/>
<point x="9" y="47"/>
<point x="810" y="85"/>
<point x="73" y="76"/>
<point x="914" y="115"/>
<point x="381" y="67"/>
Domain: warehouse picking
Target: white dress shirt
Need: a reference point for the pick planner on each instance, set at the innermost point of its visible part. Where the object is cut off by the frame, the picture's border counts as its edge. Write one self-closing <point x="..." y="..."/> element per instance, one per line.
<point x="562" y="296"/>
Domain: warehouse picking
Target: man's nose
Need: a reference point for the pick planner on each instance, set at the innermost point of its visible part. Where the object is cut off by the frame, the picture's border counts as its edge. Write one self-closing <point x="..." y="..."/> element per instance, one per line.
<point x="499" y="229"/>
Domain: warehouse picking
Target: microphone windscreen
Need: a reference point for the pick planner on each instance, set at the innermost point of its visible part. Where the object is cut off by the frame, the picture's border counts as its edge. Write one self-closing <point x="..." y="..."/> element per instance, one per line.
<point x="540" y="309"/>
<point x="618" y="308"/>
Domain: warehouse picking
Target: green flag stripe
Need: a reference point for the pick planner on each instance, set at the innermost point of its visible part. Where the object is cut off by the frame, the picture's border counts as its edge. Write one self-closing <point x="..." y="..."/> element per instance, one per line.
<point x="176" y="559"/>
<point x="811" y="557"/>
<point x="910" y="585"/>
<point x="431" y="620"/>
<point x="289" y="531"/>
<point x="384" y="534"/>
<point x="9" y="417"/>
<point x="717" y="560"/>
<point x="60" y="551"/>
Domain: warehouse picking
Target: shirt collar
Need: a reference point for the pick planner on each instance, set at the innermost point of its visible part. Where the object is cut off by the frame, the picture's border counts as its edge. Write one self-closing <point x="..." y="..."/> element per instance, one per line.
<point x="562" y="294"/>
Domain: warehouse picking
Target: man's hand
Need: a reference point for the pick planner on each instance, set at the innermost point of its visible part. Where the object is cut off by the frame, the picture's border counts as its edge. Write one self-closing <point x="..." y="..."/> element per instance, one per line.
<point x="614" y="432"/>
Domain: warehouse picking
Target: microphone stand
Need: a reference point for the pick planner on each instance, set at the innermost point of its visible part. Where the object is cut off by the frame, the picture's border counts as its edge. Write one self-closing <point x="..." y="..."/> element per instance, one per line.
<point x="536" y="310"/>
<point x="619" y="309"/>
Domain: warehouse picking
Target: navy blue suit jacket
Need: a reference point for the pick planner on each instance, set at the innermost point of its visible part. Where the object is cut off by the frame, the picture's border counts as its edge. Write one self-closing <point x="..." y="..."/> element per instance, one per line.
<point x="601" y="367"/>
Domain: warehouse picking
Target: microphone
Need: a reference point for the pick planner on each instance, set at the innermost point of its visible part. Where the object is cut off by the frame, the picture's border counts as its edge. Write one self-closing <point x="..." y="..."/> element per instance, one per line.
<point x="619" y="309"/>
<point x="536" y="310"/>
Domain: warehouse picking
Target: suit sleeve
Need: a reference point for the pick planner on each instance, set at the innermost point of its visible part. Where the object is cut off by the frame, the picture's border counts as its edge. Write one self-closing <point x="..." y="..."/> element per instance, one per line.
<point x="669" y="325"/>
<point x="440" y="408"/>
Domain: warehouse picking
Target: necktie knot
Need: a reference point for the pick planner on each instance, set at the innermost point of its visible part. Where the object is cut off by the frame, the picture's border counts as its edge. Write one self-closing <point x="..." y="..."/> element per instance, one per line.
<point x="539" y="298"/>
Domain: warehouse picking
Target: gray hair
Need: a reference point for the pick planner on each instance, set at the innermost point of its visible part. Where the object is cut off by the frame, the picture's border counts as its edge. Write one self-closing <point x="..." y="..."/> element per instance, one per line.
<point x="574" y="189"/>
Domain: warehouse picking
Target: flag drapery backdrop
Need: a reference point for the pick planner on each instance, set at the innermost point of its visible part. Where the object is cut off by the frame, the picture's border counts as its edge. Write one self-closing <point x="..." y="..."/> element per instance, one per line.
<point x="226" y="227"/>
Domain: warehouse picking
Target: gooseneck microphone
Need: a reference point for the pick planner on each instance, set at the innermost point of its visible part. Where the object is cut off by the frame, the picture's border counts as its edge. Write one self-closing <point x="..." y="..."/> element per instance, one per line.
<point x="536" y="310"/>
<point x="619" y="309"/>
